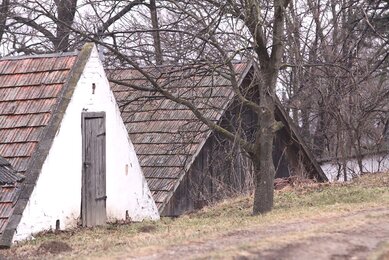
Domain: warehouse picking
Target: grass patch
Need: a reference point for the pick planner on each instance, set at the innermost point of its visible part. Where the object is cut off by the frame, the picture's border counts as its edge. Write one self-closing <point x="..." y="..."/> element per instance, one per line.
<point x="346" y="194"/>
<point x="298" y="203"/>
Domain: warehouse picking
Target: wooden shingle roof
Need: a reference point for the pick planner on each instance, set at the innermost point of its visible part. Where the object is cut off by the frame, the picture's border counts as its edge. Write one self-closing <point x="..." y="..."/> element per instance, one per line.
<point x="29" y="90"/>
<point x="34" y="94"/>
<point x="9" y="190"/>
<point x="167" y="136"/>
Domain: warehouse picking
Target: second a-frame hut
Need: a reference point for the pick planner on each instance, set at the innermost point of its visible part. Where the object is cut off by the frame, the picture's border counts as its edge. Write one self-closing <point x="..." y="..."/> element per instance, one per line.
<point x="186" y="164"/>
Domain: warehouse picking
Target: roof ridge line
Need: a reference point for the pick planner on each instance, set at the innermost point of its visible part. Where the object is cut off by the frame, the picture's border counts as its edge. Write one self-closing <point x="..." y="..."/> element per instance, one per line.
<point x="43" y="55"/>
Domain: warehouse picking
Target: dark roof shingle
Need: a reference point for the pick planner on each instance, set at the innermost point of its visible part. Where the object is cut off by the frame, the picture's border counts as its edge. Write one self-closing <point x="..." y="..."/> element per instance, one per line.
<point x="8" y="174"/>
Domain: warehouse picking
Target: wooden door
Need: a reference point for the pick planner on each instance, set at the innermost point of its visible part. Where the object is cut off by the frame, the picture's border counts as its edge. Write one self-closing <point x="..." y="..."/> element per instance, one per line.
<point x="93" y="197"/>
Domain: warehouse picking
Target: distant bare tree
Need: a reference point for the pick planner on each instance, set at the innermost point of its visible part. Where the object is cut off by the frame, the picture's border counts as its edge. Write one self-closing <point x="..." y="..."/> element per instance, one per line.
<point x="199" y="30"/>
<point x="338" y="59"/>
<point x="41" y="26"/>
<point x="4" y="13"/>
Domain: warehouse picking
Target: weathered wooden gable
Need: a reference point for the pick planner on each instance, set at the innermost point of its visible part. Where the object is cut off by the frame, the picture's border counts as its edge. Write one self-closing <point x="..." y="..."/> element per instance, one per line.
<point x="167" y="136"/>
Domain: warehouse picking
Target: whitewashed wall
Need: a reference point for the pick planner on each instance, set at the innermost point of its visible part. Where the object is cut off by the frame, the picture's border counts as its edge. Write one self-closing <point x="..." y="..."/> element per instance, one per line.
<point x="371" y="164"/>
<point x="57" y="194"/>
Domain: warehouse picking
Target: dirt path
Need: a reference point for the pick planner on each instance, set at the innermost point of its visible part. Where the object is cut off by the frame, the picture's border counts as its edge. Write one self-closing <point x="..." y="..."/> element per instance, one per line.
<point x="356" y="235"/>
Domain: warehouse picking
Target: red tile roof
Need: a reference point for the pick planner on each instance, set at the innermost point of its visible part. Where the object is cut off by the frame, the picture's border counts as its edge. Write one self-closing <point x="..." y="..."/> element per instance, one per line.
<point x="29" y="91"/>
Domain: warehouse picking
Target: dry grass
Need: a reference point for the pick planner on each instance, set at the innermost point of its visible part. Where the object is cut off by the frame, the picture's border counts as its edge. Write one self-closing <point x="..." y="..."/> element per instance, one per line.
<point x="302" y="202"/>
<point x="382" y="252"/>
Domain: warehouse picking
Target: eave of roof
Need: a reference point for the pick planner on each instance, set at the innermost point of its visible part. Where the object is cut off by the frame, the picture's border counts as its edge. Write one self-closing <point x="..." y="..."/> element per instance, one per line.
<point x="40" y="56"/>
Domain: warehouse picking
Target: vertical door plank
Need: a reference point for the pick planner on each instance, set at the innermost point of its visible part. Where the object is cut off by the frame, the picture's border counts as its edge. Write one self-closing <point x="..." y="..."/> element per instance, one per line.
<point x="94" y="170"/>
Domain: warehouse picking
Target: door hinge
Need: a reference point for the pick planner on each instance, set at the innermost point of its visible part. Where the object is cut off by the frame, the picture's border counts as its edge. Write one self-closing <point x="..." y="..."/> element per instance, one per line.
<point x="101" y="198"/>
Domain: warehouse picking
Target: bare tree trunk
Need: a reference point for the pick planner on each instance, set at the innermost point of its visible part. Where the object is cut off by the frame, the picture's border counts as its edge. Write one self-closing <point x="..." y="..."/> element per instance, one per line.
<point x="156" y="36"/>
<point x="343" y="146"/>
<point x="66" y="13"/>
<point x="263" y="160"/>
<point x="263" y="147"/>
<point x="318" y="137"/>
<point x="4" y="11"/>
<point x="264" y="185"/>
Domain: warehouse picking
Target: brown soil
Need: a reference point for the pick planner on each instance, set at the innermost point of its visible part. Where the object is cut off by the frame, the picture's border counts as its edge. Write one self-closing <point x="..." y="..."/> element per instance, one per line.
<point x="356" y="235"/>
<point x="53" y="247"/>
<point x="147" y="229"/>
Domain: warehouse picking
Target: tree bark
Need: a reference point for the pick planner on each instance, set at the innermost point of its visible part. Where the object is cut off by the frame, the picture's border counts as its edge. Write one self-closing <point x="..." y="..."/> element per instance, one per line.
<point x="263" y="159"/>
<point x="66" y="13"/>
<point x="4" y="12"/>
<point x="156" y="36"/>
<point x="319" y="135"/>
<point x="263" y="163"/>
<point x="264" y="194"/>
